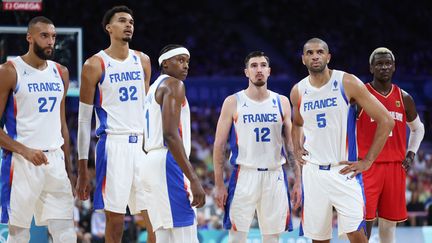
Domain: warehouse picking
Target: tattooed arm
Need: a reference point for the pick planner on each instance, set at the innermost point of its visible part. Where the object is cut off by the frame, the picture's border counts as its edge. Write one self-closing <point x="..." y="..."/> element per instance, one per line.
<point x="288" y="145"/>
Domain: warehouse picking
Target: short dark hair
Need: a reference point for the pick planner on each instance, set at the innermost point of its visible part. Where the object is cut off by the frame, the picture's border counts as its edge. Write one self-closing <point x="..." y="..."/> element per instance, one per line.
<point x="169" y="47"/>
<point x="110" y="13"/>
<point x="39" y="19"/>
<point x="256" y="54"/>
<point x="319" y="41"/>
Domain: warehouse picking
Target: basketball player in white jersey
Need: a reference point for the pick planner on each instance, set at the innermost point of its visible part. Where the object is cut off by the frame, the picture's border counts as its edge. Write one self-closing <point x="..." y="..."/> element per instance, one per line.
<point x="324" y="112"/>
<point x="168" y="144"/>
<point x="257" y="123"/>
<point x="36" y="164"/>
<point x="113" y="84"/>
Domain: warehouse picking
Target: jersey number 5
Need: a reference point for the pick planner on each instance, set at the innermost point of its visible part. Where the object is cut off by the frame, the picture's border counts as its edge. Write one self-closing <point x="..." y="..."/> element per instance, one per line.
<point x="322" y="122"/>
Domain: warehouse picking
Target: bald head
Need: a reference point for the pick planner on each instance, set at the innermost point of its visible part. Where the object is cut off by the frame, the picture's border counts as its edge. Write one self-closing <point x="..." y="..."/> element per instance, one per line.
<point x="38" y="19"/>
<point x="316" y="41"/>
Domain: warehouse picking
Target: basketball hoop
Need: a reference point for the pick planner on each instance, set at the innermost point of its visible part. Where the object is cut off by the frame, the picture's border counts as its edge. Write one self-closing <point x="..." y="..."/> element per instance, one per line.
<point x="22" y="5"/>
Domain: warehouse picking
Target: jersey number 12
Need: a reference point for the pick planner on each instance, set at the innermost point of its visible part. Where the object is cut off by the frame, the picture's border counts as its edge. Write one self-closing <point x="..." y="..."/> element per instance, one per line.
<point x="261" y="135"/>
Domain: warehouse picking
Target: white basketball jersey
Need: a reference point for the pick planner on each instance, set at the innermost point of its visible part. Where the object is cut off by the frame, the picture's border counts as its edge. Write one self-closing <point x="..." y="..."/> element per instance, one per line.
<point x="153" y="132"/>
<point x="329" y="121"/>
<point x="119" y="97"/>
<point x="32" y="113"/>
<point x="256" y="134"/>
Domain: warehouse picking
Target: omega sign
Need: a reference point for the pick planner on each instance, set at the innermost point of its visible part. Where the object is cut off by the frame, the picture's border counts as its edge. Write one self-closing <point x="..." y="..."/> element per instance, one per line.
<point x="24" y="5"/>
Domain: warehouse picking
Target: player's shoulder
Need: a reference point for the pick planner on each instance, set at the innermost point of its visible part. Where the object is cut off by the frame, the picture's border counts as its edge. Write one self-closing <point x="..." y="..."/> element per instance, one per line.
<point x="350" y="81"/>
<point x="172" y="85"/>
<point x="351" y="78"/>
<point x="7" y="67"/>
<point x="284" y="99"/>
<point x="231" y="101"/>
<point x="406" y="96"/>
<point x="8" y="71"/>
<point x="93" y="63"/>
<point x="170" y="80"/>
<point x="60" y="66"/>
<point x="141" y="54"/>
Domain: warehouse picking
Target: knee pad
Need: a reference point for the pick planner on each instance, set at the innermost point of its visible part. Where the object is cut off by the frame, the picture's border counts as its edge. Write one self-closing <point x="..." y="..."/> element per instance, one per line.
<point x="237" y="237"/>
<point x="163" y="235"/>
<point x="62" y="231"/>
<point x="270" y="238"/>
<point x="387" y="231"/>
<point x="18" y="234"/>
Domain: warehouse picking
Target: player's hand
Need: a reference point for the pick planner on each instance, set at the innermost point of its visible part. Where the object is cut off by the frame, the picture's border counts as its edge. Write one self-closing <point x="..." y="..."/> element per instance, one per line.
<point x="299" y="153"/>
<point x="198" y="194"/>
<point x="36" y="157"/>
<point x="82" y="186"/>
<point x="221" y="195"/>
<point x="409" y="158"/>
<point x="296" y="195"/>
<point x="72" y="182"/>
<point x="354" y="167"/>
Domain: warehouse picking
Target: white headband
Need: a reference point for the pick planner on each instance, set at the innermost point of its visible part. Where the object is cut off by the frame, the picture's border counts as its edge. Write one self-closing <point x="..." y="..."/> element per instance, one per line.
<point x="173" y="52"/>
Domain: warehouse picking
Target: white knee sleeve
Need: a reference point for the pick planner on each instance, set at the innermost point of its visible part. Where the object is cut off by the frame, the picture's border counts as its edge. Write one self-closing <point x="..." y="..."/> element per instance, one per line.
<point x="270" y="238"/>
<point x="178" y="235"/>
<point x="18" y="234"/>
<point x="237" y="237"/>
<point x="387" y="231"/>
<point x="162" y="235"/>
<point x="62" y="230"/>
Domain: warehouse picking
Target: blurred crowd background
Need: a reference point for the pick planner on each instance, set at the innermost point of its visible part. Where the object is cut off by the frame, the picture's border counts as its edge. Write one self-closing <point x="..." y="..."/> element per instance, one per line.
<point x="219" y="34"/>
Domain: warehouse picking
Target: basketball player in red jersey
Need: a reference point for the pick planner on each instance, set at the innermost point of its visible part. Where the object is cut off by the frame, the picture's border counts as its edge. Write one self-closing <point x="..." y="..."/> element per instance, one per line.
<point x="384" y="182"/>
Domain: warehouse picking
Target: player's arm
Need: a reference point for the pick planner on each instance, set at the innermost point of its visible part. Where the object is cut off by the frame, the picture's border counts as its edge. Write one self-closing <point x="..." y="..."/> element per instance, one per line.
<point x="64" y="128"/>
<point x="171" y="95"/>
<point x="297" y="127"/>
<point x="8" y="79"/>
<point x="222" y="132"/>
<point x="146" y="65"/>
<point x="416" y="127"/>
<point x="291" y="162"/>
<point x="357" y="92"/>
<point x="90" y="75"/>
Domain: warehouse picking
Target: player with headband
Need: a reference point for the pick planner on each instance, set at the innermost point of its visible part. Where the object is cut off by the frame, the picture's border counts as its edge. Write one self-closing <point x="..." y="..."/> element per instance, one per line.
<point x="175" y="188"/>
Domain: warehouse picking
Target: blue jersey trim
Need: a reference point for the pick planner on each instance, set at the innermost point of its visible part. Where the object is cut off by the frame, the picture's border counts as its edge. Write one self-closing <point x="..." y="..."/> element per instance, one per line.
<point x="231" y="189"/>
<point x="280" y="107"/>
<point x="101" y="169"/>
<point x="233" y="145"/>
<point x="351" y="133"/>
<point x="9" y="116"/>
<point x="289" y="226"/>
<point x="5" y="183"/>
<point x="181" y="210"/>
<point x="342" y="90"/>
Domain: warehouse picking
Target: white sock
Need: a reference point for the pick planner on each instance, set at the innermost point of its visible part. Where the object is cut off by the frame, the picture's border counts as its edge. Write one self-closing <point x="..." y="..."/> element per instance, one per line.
<point x="18" y="234"/>
<point x="237" y="237"/>
<point x="62" y="230"/>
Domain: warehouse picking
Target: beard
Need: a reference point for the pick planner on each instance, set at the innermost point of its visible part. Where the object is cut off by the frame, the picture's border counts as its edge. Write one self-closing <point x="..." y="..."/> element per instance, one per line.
<point x="127" y="39"/>
<point x="41" y="52"/>
<point x="319" y="69"/>
<point x="259" y="82"/>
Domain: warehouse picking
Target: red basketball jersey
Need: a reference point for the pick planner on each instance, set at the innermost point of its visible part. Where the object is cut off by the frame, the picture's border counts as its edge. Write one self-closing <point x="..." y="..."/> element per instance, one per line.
<point x="395" y="147"/>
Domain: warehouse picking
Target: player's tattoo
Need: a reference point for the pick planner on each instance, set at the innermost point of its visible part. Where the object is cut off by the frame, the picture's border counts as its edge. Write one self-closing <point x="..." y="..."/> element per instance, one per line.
<point x="291" y="162"/>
